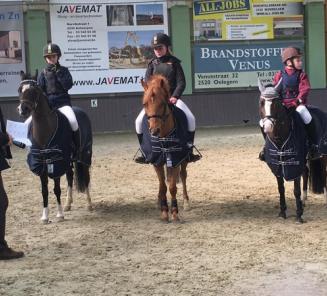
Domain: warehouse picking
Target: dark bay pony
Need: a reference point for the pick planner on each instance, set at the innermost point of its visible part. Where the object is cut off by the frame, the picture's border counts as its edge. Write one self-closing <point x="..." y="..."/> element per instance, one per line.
<point x="161" y="122"/>
<point x="47" y="125"/>
<point x="286" y="150"/>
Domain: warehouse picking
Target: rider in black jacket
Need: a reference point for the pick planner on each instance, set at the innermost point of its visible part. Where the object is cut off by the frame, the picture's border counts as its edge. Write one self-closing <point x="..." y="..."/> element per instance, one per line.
<point x="6" y="253"/>
<point x="55" y="80"/>
<point x="169" y="66"/>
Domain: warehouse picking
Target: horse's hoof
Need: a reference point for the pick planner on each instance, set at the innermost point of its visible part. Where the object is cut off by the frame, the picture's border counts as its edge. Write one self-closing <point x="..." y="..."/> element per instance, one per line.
<point x="60" y="218"/>
<point x="186" y="206"/>
<point x="67" y="208"/>
<point x="299" y="221"/>
<point x="282" y="215"/>
<point x="175" y="219"/>
<point x="90" y="208"/>
<point x="164" y="217"/>
<point x="45" y="221"/>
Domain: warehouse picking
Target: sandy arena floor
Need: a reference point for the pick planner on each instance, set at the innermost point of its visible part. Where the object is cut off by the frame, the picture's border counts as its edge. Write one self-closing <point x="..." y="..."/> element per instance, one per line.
<point x="230" y="243"/>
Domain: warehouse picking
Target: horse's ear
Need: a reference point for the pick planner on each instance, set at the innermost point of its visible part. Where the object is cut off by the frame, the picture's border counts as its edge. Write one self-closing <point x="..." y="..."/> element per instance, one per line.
<point x="278" y="85"/>
<point x="22" y="75"/>
<point x="36" y="74"/>
<point x="144" y="84"/>
<point x="261" y="86"/>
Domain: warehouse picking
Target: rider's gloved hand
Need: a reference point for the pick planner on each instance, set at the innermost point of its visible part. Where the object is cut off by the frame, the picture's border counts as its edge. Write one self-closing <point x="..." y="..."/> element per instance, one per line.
<point x="291" y="103"/>
<point x="52" y="67"/>
<point x="173" y="100"/>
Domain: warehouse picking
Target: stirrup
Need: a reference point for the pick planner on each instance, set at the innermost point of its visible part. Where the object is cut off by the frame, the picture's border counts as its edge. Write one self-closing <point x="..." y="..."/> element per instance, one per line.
<point x="194" y="157"/>
<point x="313" y="153"/>
<point x="140" y="159"/>
<point x="262" y="155"/>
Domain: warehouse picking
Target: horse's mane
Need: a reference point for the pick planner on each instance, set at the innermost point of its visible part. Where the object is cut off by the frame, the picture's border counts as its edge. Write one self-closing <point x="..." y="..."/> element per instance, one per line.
<point x="156" y="84"/>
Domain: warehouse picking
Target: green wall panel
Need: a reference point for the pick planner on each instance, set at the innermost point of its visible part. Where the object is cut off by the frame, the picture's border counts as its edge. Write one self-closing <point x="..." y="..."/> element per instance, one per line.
<point x="181" y="34"/>
<point x="315" y="44"/>
<point x="36" y="31"/>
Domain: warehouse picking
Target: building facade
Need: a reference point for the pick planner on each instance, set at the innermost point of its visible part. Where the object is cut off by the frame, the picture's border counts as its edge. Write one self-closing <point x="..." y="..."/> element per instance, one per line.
<point x="225" y="46"/>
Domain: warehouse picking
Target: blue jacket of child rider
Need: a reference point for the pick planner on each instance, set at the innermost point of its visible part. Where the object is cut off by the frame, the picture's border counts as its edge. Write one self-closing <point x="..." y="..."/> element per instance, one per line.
<point x="290" y="84"/>
<point x="55" y="81"/>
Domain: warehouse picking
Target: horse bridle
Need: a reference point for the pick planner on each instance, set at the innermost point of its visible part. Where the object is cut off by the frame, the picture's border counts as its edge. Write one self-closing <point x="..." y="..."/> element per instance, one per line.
<point x="269" y="117"/>
<point x="34" y="104"/>
<point x="162" y="117"/>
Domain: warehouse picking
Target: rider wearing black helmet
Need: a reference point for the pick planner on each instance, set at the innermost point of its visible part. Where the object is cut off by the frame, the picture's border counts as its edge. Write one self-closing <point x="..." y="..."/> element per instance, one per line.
<point x="169" y="66"/>
<point x="56" y="80"/>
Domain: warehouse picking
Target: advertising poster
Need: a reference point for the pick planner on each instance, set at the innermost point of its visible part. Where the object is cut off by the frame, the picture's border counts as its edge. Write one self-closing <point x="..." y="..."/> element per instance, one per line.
<point x="237" y="65"/>
<point x="106" y="46"/>
<point x="12" y="52"/>
<point x="247" y="19"/>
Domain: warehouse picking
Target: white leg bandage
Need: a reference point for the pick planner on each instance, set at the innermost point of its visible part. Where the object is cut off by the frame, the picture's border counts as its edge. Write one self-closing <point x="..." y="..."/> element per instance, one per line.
<point x="304" y="113"/>
<point x="138" y="122"/>
<point x="189" y="115"/>
<point x="69" y="113"/>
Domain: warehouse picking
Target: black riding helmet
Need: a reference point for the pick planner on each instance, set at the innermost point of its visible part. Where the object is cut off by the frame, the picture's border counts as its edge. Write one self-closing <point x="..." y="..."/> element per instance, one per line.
<point x="51" y="49"/>
<point x="160" y="39"/>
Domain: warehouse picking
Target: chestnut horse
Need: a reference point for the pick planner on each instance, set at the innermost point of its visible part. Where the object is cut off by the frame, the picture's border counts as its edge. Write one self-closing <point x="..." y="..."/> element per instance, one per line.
<point x="45" y="125"/>
<point x="161" y="122"/>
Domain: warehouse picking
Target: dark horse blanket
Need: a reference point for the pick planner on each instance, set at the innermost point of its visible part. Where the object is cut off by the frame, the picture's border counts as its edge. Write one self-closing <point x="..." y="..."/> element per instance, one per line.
<point x="289" y="160"/>
<point x="171" y="150"/>
<point x="55" y="159"/>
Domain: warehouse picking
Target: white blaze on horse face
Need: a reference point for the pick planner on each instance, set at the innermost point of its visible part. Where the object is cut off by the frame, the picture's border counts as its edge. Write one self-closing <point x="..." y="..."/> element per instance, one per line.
<point x="267" y="124"/>
<point x="19" y="108"/>
<point x="25" y="87"/>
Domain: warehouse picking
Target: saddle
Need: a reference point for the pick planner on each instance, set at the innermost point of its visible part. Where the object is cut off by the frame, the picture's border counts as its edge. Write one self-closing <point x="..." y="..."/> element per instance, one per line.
<point x="171" y="150"/>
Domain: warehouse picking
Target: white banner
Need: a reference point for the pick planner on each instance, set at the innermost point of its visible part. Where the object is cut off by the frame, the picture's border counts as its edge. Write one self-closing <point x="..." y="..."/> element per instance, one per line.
<point x="12" y="51"/>
<point x="106" y="46"/>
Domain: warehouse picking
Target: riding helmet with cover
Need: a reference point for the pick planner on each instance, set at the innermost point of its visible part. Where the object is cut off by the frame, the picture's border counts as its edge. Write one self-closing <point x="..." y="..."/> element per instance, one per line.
<point x="160" y="39"/>
<point x="51" y="49"/>
<point x="290" y="53"/>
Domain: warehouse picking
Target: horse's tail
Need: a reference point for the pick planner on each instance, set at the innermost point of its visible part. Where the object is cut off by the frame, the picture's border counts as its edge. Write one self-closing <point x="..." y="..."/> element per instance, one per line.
<point x="317" y="175"/>
<point x="82" y="176"/>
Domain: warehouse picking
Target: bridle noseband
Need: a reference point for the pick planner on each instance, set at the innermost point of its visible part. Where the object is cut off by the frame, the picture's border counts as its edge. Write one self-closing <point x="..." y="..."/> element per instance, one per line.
<point x="269" y="117"/>
<point x="162" y="117"/>
<point x="33" y="105"/>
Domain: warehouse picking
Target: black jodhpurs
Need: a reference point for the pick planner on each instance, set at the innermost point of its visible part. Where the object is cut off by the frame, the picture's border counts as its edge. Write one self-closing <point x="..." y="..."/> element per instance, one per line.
<point x="3" y="209"/>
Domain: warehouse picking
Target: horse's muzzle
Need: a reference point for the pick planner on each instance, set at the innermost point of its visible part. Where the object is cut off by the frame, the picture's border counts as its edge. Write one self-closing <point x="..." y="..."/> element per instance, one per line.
<point x="154" y="131"/>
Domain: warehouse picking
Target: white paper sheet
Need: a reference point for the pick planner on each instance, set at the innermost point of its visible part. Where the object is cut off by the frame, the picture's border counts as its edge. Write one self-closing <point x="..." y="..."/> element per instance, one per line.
<point x="18" y="131"/>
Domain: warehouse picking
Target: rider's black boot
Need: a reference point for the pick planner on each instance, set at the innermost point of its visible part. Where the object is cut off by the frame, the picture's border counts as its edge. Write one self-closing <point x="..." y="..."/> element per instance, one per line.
<point x="140" y="159"/>
<point x="313" y="143"/>
<point x="190" y="141"/>
<point x="262" y="152"/>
